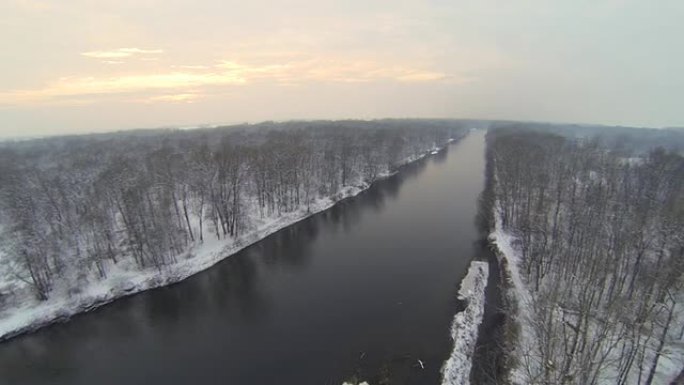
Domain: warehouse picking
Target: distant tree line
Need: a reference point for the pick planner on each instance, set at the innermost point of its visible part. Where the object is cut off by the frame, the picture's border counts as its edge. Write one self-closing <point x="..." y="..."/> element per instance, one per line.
<point x="621" y="140"/>
<point x="73" y="207"/>
<point x="601" y="235"/>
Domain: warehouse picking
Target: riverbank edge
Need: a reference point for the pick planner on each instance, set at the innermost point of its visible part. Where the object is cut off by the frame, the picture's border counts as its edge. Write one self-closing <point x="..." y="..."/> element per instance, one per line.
<point x="511" y="324"/>
<point x="465" y="326"/>
<point x="49" y="313"/>
<point x="507" y="326"/>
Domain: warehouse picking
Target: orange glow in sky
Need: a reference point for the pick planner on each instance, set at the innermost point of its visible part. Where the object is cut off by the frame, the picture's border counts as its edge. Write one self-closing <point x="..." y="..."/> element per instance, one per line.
<point x="86" y="66"/>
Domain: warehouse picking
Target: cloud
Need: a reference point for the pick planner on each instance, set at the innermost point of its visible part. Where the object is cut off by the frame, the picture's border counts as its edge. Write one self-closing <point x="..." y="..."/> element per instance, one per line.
<point x="294" y="70"/>
<point x="192" y="67"/>
<point x="175" y="98"/>
<point x="332" y="70"/>
<point x="69" y="87"/>
<point x="121" y="53"/>
<point x="33" y="5"/>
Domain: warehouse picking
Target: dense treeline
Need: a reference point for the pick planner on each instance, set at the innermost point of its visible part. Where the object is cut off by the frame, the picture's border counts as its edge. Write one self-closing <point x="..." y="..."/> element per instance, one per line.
<point x="623" y="140"/>
<point x="601" y="237"/>
<point x="73" y="208"/>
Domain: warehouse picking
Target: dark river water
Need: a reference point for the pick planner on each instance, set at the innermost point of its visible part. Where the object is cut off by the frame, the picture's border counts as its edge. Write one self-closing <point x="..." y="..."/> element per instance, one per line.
<point x="365" y="290"/>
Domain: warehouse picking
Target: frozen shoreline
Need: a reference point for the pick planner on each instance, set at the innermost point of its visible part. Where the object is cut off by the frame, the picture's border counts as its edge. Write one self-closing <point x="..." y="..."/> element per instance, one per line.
<point x="466" y="324"/>
<point x="121" y="282"/>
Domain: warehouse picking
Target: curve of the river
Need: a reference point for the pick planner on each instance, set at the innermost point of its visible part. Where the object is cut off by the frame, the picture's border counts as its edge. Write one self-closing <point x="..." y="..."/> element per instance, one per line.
<point x="363" y="290"/>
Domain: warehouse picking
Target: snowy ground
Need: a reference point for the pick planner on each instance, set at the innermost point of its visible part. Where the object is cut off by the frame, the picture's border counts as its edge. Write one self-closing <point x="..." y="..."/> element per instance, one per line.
<point x="525" y="347"/>
<point x="464" y="329"/>
<point x="125" y="279"/>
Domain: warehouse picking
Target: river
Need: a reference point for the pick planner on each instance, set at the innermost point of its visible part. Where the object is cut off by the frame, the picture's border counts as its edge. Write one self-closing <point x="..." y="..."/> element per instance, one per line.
<point x="363" y="290"/>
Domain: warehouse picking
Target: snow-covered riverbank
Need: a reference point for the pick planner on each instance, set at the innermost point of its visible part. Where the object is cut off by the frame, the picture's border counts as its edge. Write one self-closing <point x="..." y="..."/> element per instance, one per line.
<point x="124" y="279"/>
<point x="464" y="329"/>
<point x="509" y="260"/>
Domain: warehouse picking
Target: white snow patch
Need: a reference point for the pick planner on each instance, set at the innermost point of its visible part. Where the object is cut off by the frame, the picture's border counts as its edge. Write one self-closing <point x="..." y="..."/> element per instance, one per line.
<point x="464" y="328"/>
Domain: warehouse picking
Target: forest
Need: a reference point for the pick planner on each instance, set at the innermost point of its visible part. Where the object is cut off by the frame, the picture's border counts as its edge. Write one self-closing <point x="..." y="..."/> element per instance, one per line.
<point x="82" y="210"/>
<point x="590" y="235"/>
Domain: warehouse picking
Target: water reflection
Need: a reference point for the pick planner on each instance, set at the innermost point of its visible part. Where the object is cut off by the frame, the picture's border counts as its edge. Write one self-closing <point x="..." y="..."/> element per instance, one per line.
<point x="441" y="156"/>
<point x="289" y="247"/>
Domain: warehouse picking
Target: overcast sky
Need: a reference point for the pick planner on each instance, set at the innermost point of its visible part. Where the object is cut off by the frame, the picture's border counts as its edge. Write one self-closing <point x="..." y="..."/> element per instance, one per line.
<point x="93" y="65"/>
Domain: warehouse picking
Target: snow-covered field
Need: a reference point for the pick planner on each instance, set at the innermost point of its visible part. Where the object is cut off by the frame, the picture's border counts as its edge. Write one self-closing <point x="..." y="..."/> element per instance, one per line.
<point x="464" y="329"/>
<point x="124" y="279"/>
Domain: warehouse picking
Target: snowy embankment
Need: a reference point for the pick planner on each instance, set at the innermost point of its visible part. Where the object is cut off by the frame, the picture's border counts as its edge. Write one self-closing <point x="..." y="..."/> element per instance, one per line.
<point x="123" y="280"/>
<point x="464" y="329"/>
<point x="510" y="260"/>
